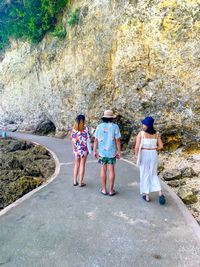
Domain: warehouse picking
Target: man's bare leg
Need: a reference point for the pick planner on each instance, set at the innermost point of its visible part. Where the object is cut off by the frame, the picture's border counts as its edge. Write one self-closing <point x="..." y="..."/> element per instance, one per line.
<point x="111" y="168"/>
<point x="103" y="177"/>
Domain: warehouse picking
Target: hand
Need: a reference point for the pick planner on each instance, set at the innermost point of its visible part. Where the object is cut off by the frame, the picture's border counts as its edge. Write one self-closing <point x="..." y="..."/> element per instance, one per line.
<point x="95" y="154"/>
<point x="118" y="155"/>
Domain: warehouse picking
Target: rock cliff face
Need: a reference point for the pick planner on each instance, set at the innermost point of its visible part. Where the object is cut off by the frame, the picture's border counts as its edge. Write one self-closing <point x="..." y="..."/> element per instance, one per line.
<point x="138" y="57"/>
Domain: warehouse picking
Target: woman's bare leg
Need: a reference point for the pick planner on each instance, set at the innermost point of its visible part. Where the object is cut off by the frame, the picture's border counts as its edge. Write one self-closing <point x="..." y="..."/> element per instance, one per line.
<point x="82" y="169"/>
<point x="76" y="169"/>
<point x="147" y="197"/>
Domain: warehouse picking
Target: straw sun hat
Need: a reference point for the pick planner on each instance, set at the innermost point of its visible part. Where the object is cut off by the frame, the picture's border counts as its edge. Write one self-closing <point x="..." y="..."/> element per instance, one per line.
<point x="108" y="114"/>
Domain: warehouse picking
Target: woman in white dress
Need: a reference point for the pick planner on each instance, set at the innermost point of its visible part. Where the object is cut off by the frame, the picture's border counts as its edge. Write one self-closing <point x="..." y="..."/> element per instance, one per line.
<point x="147" y="144"/>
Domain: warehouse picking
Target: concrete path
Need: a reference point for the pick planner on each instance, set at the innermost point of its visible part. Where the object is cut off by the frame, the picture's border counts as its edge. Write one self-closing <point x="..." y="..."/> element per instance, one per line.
<point x="61" y="225"/>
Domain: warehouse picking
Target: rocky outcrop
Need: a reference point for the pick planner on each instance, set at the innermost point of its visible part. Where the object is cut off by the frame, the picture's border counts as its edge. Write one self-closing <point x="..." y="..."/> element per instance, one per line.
<point x="172" y="175"/>
<point x="187" y="195"/>
<point x="23" y="167"/>
<point x="139" y="57"/>
<point x="182" y="173"/>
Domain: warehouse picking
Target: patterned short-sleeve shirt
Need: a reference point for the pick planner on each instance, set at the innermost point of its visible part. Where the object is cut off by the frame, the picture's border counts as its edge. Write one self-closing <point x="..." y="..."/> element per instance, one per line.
<point x="107" y="133"/>
<point x="79" y="142"/>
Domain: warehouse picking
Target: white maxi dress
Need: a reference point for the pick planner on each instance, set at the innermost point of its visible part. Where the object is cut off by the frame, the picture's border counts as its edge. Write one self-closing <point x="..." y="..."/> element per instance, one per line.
<point x="149" y="181"/>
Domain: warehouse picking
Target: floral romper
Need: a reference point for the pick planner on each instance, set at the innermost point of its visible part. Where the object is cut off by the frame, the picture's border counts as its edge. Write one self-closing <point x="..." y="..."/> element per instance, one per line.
<point x="79" y="142"/>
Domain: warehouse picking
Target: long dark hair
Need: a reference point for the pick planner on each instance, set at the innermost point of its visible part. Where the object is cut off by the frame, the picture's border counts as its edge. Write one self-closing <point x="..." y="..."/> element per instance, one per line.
<point x="150" y="130"/>
<point x="107" y="119"/>
<point x="79" y="123"/>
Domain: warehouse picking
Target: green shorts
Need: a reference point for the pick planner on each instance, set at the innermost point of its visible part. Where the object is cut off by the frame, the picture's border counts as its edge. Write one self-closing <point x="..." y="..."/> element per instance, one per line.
<point x="104" y="160"/>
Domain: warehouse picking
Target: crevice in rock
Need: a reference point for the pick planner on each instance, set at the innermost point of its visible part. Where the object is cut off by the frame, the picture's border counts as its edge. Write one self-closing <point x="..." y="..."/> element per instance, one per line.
<point x="45" y="127"/>
<point x="125" y="126"/>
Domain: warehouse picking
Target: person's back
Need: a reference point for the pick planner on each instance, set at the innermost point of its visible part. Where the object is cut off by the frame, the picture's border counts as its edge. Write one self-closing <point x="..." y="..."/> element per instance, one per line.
<point x="79" y="136"/>
<point x="107" y="140"/>
<point x="107" y="133"/>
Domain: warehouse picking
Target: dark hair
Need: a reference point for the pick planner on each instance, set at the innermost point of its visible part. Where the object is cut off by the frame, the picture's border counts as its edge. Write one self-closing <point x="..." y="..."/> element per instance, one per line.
<point x="80" y="117"/>
<point x="107" y="119"/>
<point x="150" y="130"/>
<point x="79" y="123"/>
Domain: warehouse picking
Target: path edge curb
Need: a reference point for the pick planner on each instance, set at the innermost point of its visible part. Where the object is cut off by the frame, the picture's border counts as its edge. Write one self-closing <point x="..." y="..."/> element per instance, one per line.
<point x="49" y="180"/>
<point x="190" y="220"/>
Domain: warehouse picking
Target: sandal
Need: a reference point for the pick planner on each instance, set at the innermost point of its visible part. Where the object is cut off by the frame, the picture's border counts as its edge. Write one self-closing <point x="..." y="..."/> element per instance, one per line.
<point x="75" y="184"/>
<point x="162" y="200"/>
<point x="81" y="185"/>
<point x="105" y="194"/>
<point x="114" y="193"/>
<point x="145" y="199"/>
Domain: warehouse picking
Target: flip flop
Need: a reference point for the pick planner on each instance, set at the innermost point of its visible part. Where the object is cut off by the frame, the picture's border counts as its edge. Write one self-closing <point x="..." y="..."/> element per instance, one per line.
<point x="111" y="195"/>
<point x="75" y="184"/>
<point x="105" y="194"/>
<point x="144" y="197"/>
<point x="162" y="200"/>
<point x="81" y="185"/>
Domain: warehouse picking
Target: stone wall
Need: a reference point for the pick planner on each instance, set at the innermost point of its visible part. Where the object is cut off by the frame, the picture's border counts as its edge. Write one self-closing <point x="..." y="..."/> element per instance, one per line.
<point x="138" y="57"/>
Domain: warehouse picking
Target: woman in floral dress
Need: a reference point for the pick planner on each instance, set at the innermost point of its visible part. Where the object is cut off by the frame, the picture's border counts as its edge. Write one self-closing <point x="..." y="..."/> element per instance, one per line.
<point x="79" y="136"/>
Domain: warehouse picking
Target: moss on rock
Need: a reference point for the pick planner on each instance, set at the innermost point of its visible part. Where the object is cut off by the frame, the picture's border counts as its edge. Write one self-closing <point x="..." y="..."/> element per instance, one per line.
<point x="171" y="142"/>
<point x="18" y="188"/>
<point x="192" y="148"/>
<point x="23" y="168"/>
<point x="187" y="195"/>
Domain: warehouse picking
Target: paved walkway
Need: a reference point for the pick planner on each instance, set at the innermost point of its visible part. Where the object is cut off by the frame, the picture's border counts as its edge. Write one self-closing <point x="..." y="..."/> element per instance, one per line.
<point x="61" y="225"/>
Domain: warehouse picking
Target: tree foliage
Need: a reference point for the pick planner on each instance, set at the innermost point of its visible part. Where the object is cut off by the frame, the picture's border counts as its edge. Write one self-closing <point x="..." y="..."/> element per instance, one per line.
<point x="30" y="19"/>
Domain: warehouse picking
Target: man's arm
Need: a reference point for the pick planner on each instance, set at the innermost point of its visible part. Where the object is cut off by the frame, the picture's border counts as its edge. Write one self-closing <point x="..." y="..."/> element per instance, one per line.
<point x="95" y="147"/>
<point x="118" y="143"/>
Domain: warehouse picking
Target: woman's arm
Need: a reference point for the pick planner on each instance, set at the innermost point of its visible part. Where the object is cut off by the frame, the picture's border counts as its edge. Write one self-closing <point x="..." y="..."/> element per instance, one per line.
<point x="89" y="134"/>
<point x="137" y="145"/>
<point x="160" y="144"/>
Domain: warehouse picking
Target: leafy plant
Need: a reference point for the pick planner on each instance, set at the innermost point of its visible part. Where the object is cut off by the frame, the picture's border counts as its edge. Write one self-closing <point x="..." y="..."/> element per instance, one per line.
<point x="73" y="17"/>
<point x="59" y="31"/>
<point x="29" y="19"/>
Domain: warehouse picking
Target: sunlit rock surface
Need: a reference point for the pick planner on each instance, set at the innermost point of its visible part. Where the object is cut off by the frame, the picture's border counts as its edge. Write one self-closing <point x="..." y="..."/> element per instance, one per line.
<point x="138" y="57"/>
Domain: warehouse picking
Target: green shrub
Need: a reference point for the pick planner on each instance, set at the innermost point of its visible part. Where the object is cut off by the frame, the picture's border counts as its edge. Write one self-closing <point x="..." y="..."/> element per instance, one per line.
<point x="59" y="31"/>
<point x="29" y="19"/>
<point x="73" y="17"/>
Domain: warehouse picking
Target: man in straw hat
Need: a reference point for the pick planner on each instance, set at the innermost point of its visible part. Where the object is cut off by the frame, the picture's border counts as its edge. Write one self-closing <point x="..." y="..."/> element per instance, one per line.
<point x="107" y="140"/>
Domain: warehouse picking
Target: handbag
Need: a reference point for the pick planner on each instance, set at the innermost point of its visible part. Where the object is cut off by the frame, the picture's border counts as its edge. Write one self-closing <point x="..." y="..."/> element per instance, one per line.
<point x="139" y="152"/>
<point x="88" y="143"/>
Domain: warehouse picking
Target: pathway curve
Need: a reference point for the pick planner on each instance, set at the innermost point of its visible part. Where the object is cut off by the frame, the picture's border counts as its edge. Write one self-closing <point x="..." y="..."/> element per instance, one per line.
<point x="61" y="225"/>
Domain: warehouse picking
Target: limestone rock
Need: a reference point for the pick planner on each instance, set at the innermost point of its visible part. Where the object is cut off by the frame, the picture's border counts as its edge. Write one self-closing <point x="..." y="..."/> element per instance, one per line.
<point x="174" y="183"/>
<point x="38" y="149"/>
<point x="137" y="57"/>
<point x="18" y="188"/>
<point x="161" y="166"/>
<point x="187" y="195"/>
<point x="192" y="148"/>
<point x="22" y="168"/>
<point x="172" y="175"/>
<point x="44" y="127"/>
<point x="17" y="145"/>
<point x="188" y="172"/>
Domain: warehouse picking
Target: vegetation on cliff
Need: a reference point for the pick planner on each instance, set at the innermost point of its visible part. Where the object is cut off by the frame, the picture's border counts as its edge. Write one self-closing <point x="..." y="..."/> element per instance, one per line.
<point x="30" y="19"/>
